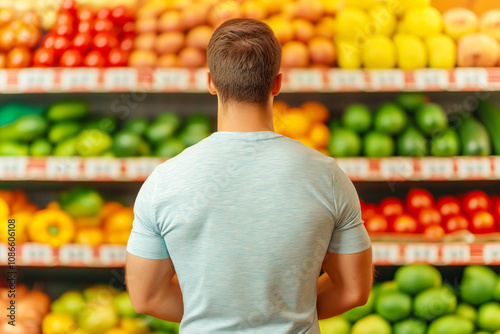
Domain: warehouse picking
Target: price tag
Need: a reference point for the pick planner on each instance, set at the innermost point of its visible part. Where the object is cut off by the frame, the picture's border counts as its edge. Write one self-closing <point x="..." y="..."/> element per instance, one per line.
<point x="201" y="80"/>
<point x="72" y="254"/>
<point x="474" y="168"/>
<point x="496" y="167"/>
<point x="356" y="169"/>
<point x="101" y="168"/>
<point x="34" y="254"/>
<point x="4" y="259"/>
<point x="3" y="81"/>
<point x="421" y="253"/>
<point x="471" y="77"/>
<point x="456" y="254"/>
<point x="13" y="168"/>
<point x="385" y="253"/>
<point x="38" y="79"/>
<point x="491" y="253"/>
<point x="112" y="255"/>
<point x="171" y="80"/>
<point x="78" y="79"/>
<point x="120" y="78"/>
<point x="431" y="79"/>
<point x="397" y="168"/>
<point x="387" y="79"/>
<point x="346" y="80"/>
<point x="140" y="168"/>
<point x="305" y="80"/>
<point x="63" y="168"/>
<point x="435" y="168"/>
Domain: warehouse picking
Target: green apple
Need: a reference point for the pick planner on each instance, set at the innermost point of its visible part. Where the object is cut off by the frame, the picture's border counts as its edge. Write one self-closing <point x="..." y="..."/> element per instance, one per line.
<point x="70" y="302"/>
<point x="97" y="318"/>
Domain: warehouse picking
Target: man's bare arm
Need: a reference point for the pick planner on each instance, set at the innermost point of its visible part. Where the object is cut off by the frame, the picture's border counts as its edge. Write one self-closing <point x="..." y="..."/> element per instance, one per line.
<point x="153" y="288"/>
<point x="346" y="283"/>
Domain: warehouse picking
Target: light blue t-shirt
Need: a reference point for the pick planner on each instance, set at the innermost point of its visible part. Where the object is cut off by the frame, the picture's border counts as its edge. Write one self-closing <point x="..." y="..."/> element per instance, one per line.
<point x="247" y="218"/>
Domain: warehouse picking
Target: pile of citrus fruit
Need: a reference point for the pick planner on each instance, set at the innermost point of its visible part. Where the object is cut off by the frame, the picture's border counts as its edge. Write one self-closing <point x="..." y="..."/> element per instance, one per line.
<point x="79" y="216"/>
<point x="418" y="302"/>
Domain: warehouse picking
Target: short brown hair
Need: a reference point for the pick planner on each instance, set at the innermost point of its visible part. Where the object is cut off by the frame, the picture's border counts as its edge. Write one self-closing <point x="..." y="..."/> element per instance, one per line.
<point x="244" y="58"/>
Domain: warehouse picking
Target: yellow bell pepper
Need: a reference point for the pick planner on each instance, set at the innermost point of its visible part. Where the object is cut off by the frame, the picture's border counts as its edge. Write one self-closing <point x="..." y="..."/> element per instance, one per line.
<point x="92" y="236"/>
<point x="22" y="220"/>
<point x="52" y="226"/>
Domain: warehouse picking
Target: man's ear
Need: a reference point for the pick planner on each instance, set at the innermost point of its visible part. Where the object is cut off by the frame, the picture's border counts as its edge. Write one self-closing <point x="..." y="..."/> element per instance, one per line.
<point x="211" y="87"/>
<point x="277" y="85"/>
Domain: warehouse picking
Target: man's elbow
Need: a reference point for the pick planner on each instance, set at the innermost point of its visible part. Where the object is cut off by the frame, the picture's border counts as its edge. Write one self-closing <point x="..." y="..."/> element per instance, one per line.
<point x="360" y="298"/>
<point x="141" y="306"/>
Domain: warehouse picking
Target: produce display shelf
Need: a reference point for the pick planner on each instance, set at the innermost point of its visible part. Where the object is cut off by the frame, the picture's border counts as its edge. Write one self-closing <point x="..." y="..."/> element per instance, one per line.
<point x="57" y="80"/>
<point x="384" y="253"/>
<point x="358" y="169"/>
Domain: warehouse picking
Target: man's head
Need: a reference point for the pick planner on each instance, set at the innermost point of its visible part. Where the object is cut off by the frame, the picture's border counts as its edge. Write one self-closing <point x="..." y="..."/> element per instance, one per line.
<point x="244" y="59"/>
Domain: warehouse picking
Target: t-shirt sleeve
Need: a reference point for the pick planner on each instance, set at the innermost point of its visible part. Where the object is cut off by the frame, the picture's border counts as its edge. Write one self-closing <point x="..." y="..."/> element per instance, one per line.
<point x="145" y="239"/>
<point x="349" y="234"/>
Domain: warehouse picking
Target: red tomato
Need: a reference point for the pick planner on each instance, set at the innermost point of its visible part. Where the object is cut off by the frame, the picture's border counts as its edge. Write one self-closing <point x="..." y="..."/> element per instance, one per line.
<point x="18" y="58"/>
<point x="82" y="42"/>
<point x="48" y="40"/>
<point x="448" y="206"/>
<point x="71" y="58"/>
<point x="102" y="25"/>
<point x="391" y="207"/>
<point x="418" y="199"/>
<point x="86" y="14"/>
<point x="68" y="6"/>
<point x="117" y="57"/>
<point x="434" y="232"/>
<point x="496" y="210"/>
<point x="84" y="26"/>
<point x="475" y="201"/>
<point x="457" y="222"/>
<point x="127" y="43"/>
<point x="66" y="30"/>
<point x="483" y="222"/>
<point x="43" y="57"/>
<point x="61" y="44"/>
<point x="94" y="59"/>
<point x="103" y="13"/>
<point x="405" y="223"/>
<point x="128" y="29"/>
<point x="429" y="216"/>
<point x="377" y="223"/>
<point x="368" y="211"/>
<point x="103" y="42"/>
<point x="121" y="15"/>
<point x="64" y="18"/>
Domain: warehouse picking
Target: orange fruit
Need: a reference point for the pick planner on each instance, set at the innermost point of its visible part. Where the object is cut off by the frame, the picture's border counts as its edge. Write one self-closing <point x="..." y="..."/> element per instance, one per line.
<point x="325" y="151"/>
<point x="320" y="134"/>
<point x="119" y="237"/>
<point x="120" y="220"/>
<point x="108" y="208"/>
<point x="316" y="111"/>
<point x="6" y="195"/>
<point x="4" y="209"/>
<point x="297" y="124"/>
<point x="29" y="207"/>
<point x="88" y="221"/>
<point x="93" y="236"/>
<point x="53" y="205"/>
<point x="308" y="142"/>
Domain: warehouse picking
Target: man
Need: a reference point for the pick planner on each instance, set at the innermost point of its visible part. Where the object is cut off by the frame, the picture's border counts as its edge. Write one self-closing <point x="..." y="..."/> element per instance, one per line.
<point x="247" y="218"/>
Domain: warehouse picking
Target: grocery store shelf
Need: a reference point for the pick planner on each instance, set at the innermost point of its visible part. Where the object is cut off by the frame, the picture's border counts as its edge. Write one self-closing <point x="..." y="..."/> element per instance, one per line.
<point x="358" y="169"/>
<point x="75" y="255"/>
<point x="56" y="80"/>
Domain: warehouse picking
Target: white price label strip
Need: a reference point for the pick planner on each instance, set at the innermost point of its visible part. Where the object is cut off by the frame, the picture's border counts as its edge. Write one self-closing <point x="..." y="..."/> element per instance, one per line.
<point x="3" y="80"/>
<point x="305" y="80"/>
<point x="36" y="79"/>
<point x="112" y="255"/>
<point x="140" y="168"/>
<point x="456" y="254"/>
<point x="33" y="253"/>
<point x="397" y="168"/>
<point x="78" y="78"/>
<point x="385" y="253"/>
<point x="474" y="168"/>
<point x="355" y="168"/>
<point x="429" y="79"/>
<point x="471" y="77"/>
<point x="491" y="253"/>
<point x="13" y="167"/>
<point x="422" y="253"/>
<point x="101" y="168"/>
<point x="171" y="80"/>
<point x="435" y="168"/>
<point x="63" y="168"/>
<point x="4" y="258"/>
<point x="120" y="78"/>
<point x="387" y="79"/>
<point x="72" y="254"/>
<point x="496" y="166"/>
<point x="346" y="80"/>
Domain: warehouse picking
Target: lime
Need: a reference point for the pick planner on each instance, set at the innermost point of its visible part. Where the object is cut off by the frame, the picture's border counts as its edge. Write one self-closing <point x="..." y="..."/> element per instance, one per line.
<point x="159" y="131"/>
<point x="169" y="117"/>
<point x="67" y="148"/>
<point x="478" y="284"/>
<point x="410" y="326"/>
<point x="169" y="148"/>
<point x="344" y="143"/>
<point x="144" y="149"/>
<point x="107" y="124"/>
<point x="372" y="324"/>
<point x="357" y="117"/>
<point x="136" y="125"/>
<point x="466" y="311"/>
<point x="393" y="306"/>
<point x="417" y="277"/>
<point x="63" y="130"/>
<point x="334" y="124"/>
<point x="200" y="119"/>
<point x="412" y="143"/>
<point x="496" y="293"/>
<point x="431" y="118"/>
<point x="435" y="302"/>
<point x="388" y="286"/>
<point x="410" y="100"/>
<point x="451" y="324"/>
<point x="488" y="317"/>
<point x="126" y="144"/>
<point x="390" y="119"/>
<point x="335" y="325"/>
<point x="359" y="312"/>
<point x="378" y="145"/>
<point x="193" y="134"/>
<point x="446" y="144"/>
<point x="93" y="142"/>
<point x="40" y="148"/>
